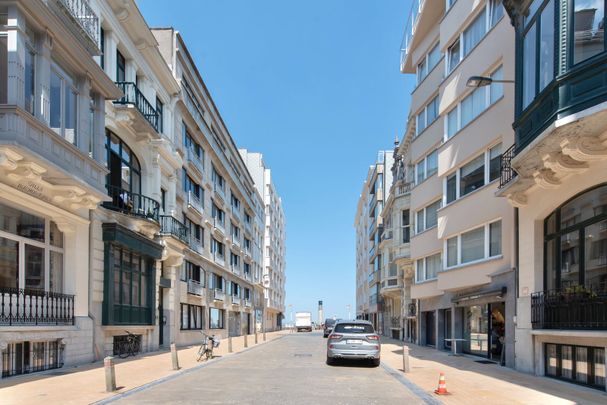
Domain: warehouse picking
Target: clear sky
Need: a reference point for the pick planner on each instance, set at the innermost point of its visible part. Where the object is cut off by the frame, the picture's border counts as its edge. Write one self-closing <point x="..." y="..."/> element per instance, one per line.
<point x="315" y="86"/>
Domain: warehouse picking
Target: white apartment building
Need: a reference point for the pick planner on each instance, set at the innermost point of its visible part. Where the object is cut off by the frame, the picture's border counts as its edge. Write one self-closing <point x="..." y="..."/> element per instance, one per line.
<point x="274" y="250"/>
<point x="369" y="222"/>
<point x="461" y="245"/>
<point x="217" y="202"/>
<point x="52" y="176"/>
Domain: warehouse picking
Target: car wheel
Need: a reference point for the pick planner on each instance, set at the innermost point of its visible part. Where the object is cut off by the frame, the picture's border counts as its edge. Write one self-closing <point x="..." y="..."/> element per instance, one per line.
<point x="330" y="361"/>
<point x="325" y="336"/>
<point x="375" y="362"/>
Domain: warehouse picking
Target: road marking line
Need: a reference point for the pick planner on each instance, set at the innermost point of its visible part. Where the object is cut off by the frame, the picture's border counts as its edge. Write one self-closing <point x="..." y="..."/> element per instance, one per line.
<point x="415" y="389"/>
<point x="177" y="374"/>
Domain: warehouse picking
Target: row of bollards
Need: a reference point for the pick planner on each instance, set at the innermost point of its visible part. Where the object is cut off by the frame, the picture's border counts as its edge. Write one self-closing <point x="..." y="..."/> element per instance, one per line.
<point x="110" y="371"/>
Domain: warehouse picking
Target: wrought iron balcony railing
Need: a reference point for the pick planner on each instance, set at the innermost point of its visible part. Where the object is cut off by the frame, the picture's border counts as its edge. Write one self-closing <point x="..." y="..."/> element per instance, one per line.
<point x="194" y="202"/>
<point x="133" y="96"/>
<point x="83" y="14"/>
<point x="507" y="172"/>
<point x="170" y="226"/>
<point x="132" y="203"/>
<point x="33" y="307"/>
<point x="195" y="160"/>
<point x="571" y="308"/>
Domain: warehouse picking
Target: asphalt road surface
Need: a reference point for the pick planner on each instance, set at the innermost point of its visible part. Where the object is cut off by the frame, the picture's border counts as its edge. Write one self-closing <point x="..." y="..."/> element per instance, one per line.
<point x="289" y="370"/>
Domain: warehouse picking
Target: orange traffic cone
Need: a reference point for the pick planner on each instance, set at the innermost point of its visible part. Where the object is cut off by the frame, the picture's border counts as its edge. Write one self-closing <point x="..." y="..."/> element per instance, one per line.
<point x="442" y="385"/>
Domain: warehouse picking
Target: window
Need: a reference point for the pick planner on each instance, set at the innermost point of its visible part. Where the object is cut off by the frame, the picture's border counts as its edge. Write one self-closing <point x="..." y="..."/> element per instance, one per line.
<point x="191" y="271"/>
<point x="160" y="112"/>
<point x="120" y="67"/>
<point x="125" y="170"/>
<point x="63" y="106"/>
<point x="218" y="181"/>
<point x="216" y="282"/>
<point x="428" y="216"/>
<point x="235" y="202"/>
<point x="192" y="317"/>
<point x="428" y="63"/>
<point x="496" y="11"/>
<point x="102" y="47"/>
<point x="406" y="226"/>
<point x="234" y="289"/>
<point x="130" y="284"/>
<point x="588" y="29"/>
<point x="427" y="167"/>
<point x="427" y="116"/>
<point x="30" y="79"/>
<point x="217" y="248"/>
<point x="581" y="364"/>
<point x="38" y="238"/>
<point x="195" y="231"/>
<point x="453" y="55"/>
<point x="477" y="244"/>
<point x="3" y="68"/>
<point x="539" y="47"/>
<point x="216" y="318"/>
<point x="247" y="268"/>
<point x="575" y="241"/>
<point x="234" y="261"/>
<point x="190" y="144"/>
<point x="482" y="170"/>
<point x="247" y="245"/>
<point x="475" y="32"/>
<point x="163" y="199"/>
<point x="190" y="184"/>
<point x="218" y="215"/>
<point x="428" y="267"/>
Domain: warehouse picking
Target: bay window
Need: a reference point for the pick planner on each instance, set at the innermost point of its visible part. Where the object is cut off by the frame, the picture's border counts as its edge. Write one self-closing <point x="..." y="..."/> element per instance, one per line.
<point x="29" y="82"/>
<point x="31" y="251"/>
<point x="63" y="106"/>
<point x="482" y="170"/>
<point x="480" y="243"/>
<point x="588" y="29"/>
<point x="428" y="267"/>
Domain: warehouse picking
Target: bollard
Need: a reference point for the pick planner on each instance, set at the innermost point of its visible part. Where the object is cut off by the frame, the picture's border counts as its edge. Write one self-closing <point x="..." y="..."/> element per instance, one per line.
<point x="174" y="357"/>
<point x="110" y="374"/>
<point x="229" y="344"/>
<point x="264" y="335"/>
<point x="246" y="341"/>
<point x="406" y="368"/>
<point x="256" y="339"/>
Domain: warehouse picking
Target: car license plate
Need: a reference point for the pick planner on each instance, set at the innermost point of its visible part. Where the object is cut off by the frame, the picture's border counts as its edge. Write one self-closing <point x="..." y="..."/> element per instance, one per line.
<point x="354" y="341"/>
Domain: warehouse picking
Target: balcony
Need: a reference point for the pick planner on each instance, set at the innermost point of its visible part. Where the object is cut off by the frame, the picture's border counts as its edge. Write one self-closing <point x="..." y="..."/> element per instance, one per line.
<point x="194" y="202"/>
<point x="236" y="213"/>
<point x="580" y="308"/>
<point x="194" y="161"/>
<point x="235" y="268"/>
<point x="219" y="225"/>
<point x="507" y="173"/>
<point x="236" y="240"/>
<point x="195" y="288"/>
<point x="247" y="303"/>
<point x="372" y="253"/>
<point x="81" y="20"/>
<point x="248" y="228"/>
<point x="410" y="31"/>
<point x="219" y="191"/>
<point x="403" y="188"/>
<point x="373" y="278"/>
<point x="387" y="235"/>
<point x="134" y="204"/>
<point x="219" y="295"/>
<point x="169" y="226"/>
<point x="135" y="98"/>
<point x="219" y="259"/>
<point x="196" y="244"/>
<point x="32" y="307"/>
<point x="235" y="300"/>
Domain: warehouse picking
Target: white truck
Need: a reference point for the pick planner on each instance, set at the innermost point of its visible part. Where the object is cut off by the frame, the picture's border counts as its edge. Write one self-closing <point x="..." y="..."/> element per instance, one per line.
<point x="303" y="321"/>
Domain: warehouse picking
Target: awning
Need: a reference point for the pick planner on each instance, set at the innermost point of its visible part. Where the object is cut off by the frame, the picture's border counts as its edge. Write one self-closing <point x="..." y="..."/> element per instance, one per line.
<point x="498" y="294"/>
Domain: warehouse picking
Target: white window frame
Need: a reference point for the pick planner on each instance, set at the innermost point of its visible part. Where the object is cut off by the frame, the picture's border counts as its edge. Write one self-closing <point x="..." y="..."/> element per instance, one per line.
<point x="424" y="113"/>
<point x="487" y="7"/>
<point x="424" y="160"/>
<point x="424" y="210"/>
<point x="457" y="172"/>
<point x="423" y="262"/>
<point x="487" y="105"/>
<point x="67" y="84"/>
<point x="423" y="72"/>
<point x="486" y="246"/>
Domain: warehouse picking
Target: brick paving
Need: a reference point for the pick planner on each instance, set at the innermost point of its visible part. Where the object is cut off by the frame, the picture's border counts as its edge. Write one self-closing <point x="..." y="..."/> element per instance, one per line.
<point x="470" y="383"/>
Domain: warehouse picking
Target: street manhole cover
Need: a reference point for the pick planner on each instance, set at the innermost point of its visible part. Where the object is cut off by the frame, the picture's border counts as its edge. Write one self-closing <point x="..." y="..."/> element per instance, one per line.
<point x="303" y="355"/>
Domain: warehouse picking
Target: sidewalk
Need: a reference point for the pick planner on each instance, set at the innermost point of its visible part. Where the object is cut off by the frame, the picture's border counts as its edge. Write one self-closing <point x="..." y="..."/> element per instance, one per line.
<point x="85" y="384"/>
<point x="469" y="382"/>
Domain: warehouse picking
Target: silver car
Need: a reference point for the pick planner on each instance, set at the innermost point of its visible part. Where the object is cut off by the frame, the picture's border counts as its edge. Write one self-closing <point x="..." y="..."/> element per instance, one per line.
<point x="353" y="340"/>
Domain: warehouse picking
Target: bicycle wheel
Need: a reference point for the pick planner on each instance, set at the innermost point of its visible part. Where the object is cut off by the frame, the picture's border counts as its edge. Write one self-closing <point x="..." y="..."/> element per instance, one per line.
<point x="124" y="351"/>
<point x="200" y="353"/>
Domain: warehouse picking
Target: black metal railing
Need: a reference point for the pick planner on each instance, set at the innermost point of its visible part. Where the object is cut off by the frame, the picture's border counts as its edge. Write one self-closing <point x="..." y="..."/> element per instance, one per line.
<point x="29" y="357"/>
<point x="169" y="225"/>
<point x="83" y="14"/>
<point x="572" y="308"/>
<point x="132" y="95"/>
<point x="34" y="307"/>
<point x="507" y="173"/>
<point x="132" y="203"/>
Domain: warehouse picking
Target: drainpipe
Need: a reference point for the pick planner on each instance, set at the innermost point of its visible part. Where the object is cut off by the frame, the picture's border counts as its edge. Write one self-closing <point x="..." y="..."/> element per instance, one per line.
<point x="516" y="273"/>
<point x="91" y="315"/>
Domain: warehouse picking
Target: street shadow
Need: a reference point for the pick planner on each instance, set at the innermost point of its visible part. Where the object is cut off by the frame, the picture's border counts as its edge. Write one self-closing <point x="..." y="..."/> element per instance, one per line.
<point x="352" y="363"/>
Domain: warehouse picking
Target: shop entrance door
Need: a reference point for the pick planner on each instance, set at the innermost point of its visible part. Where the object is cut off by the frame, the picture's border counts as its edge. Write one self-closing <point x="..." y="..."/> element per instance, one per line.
<point x="447" y="329"/>
<point x="498" y="331"/>
<point x="430" y="329"/>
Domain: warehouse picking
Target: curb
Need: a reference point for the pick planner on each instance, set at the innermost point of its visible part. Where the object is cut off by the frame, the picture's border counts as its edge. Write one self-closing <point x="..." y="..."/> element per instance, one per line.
<point x="177" y="374"/>
<point x="415" y="389"/>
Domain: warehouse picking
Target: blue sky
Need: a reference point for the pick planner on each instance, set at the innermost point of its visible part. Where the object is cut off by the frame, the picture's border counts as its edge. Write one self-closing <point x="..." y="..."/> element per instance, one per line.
<point x="314" y="85"/>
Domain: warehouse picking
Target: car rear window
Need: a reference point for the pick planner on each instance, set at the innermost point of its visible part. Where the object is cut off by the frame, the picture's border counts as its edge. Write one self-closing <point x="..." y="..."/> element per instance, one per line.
<point x="353" y="328"/>
<point x="330" y="322"/>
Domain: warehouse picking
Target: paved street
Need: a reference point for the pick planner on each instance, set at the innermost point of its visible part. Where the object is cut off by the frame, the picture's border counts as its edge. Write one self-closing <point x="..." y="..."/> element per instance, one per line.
<point x="290" y="370"/>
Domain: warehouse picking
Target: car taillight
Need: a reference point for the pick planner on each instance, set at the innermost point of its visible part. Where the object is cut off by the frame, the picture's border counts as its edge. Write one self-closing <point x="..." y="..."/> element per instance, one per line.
<point x="335" y="337"/>
<point x="373" y="337"/>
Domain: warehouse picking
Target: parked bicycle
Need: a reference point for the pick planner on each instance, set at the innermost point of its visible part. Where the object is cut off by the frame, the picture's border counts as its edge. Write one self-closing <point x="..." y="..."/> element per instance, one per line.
<point x="130" y="347"/>
<point x="206" y="348"/>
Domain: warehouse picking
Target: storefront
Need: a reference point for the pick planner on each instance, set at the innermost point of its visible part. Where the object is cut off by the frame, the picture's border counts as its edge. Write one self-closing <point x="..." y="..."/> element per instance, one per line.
<point x="485" y="330"/>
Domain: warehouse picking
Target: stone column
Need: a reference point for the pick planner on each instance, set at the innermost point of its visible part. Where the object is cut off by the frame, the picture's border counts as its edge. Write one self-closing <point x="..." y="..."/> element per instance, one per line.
<point x="76" y="259"/>
<point x="111" y="46"/>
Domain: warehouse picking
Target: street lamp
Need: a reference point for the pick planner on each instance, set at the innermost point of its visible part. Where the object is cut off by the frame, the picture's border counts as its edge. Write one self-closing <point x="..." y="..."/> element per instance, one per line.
<point x="481" y="81"/>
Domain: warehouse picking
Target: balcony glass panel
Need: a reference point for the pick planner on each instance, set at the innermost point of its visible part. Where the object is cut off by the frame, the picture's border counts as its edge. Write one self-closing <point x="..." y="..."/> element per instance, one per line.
<point x="588" y="26"/>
